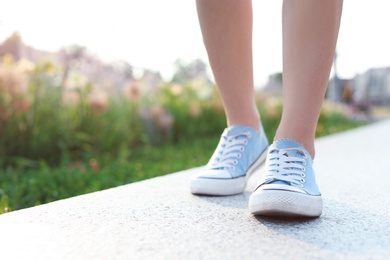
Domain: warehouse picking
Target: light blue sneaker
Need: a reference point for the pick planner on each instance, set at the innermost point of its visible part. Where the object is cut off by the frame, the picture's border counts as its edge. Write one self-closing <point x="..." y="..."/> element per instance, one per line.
<point x="288" y="187"/>
<point x="241" y="150"/>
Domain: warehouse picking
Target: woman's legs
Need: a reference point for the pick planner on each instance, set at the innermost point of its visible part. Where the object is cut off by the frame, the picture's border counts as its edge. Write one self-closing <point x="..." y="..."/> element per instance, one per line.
<point x="288" y="186"/>
<point x="310" y="30"/>
<point x="227" y="33"/>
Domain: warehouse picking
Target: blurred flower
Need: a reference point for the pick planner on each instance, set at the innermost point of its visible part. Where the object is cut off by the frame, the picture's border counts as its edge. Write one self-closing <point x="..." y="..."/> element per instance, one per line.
<point x="74" y="79"/>
<point x="4" y="113"/>
<point x="13" y="88"/>
<point x="49" y="68"/>
<point x="76" y="165"/>
<point x="25" y="66"/>
<point x="165" y="121"/>
<point x="197" y="84"/>
<point x="70" y="97"/>
<point x="98" y="100"/>
<point x="21" y="105"/>
<point x="158" y="122"/>
<point x="202" y="88"/>
<point x="195" y="109"/>
<point x="8" y="59"/>
<point x="176" y="89"/>
<point x="273" y="107"/>
<point x="12" y="81"/>
<point x="94" y="165"/>
<point x="156" y="111"/>
<point x="133" y="91"/>
<point x="217" y="106"/>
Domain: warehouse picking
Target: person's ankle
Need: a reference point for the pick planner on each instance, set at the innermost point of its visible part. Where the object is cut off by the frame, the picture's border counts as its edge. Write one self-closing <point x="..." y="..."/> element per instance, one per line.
<point x="255" y="124"/>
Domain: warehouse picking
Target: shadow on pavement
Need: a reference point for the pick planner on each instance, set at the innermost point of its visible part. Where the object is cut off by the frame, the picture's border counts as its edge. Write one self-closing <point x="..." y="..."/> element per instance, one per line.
<point x="341" y="228"/>
<point x="239" y="201"/>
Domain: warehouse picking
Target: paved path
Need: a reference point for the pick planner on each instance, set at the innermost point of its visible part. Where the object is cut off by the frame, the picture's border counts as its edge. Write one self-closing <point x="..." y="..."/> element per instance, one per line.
<point x="160" y="219"/>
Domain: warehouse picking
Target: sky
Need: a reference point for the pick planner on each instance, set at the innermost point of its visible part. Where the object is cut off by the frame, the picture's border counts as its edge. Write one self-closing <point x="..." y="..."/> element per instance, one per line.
<point x="153" y="34"/>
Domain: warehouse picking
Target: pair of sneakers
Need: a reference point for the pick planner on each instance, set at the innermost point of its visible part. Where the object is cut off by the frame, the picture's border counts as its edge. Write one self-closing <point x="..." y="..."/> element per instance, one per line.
<point x="288" y="186"/>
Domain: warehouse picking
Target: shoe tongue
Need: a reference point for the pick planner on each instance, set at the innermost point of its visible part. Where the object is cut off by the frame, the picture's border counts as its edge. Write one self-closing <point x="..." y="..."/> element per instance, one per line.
<point x="237" y="130"/>
<point x="294" y="153"/>
<point x="287" y="143"/>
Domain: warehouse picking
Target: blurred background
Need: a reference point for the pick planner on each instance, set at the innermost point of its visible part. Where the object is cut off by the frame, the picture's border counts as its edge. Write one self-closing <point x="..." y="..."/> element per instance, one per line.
<point x="98" y="95"/>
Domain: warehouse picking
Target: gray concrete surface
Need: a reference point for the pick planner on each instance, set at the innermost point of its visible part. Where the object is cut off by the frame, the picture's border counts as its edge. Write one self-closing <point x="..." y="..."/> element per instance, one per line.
<point x="160" y="219"/>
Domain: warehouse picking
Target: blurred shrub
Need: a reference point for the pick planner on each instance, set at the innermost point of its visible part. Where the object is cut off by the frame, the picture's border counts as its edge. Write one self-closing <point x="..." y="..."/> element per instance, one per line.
<point x="44" y="122"/>
<point x="4" y="207"/>
<point x="194" y="116"/>
<point x="57" y="142"/>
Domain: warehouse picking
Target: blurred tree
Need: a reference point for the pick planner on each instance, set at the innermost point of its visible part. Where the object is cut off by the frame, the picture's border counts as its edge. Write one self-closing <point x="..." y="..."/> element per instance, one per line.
<point x="12" y="45"/>
<point x="125" y="69"/>
<point x="278" y="76"/>
<point x="70" y="57"/>
<point x="196" y="69"/>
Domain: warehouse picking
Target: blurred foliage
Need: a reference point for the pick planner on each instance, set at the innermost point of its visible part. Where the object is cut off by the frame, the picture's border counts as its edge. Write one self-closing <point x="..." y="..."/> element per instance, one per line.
<point x="4" y="207"/>
<point x="34" y="186"/>
<point x="57" y="142"/>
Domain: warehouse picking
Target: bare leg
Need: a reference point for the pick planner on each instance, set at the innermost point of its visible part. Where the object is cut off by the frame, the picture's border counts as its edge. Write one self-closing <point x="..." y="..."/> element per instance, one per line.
<point x="310" y="30"/>
<point x="227" y="33"/>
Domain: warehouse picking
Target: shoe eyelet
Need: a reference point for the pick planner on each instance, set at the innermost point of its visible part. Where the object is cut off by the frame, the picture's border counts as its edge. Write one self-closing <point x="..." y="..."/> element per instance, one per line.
<point x="238" y="155"/>
<point x="302" y="180"/>
<point x="303" y="169"/>
<point x="249" y="135"/>
<point x="232" y="168"/>
<point x="242" y="148"/>
<point x="245" y="141"/>
<point x="235" y="162"/>
<point x="301" y="185"/>
<point x="304" y="163"/>
<point x="303" y="175"/>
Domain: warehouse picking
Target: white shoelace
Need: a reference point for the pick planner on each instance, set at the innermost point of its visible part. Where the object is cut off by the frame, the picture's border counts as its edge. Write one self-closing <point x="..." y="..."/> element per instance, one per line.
<point x="231" y="150"/>
<point x="286" y="167"/>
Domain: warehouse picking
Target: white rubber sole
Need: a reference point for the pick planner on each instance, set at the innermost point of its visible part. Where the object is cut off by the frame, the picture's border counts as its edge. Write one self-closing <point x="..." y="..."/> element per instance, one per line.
<point x="225" y="187"/>
<point x="285" y="203"/>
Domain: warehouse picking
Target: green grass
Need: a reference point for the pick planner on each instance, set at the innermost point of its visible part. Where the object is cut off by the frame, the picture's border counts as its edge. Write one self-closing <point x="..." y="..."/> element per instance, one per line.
<point x="23" y="187"/>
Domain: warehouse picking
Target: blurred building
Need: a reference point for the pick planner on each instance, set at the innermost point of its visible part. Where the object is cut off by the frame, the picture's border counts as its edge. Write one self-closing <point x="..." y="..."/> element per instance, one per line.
<point x="340" y="90"/>
<point x="371" y="88"/>
<point x="274" y="86"/>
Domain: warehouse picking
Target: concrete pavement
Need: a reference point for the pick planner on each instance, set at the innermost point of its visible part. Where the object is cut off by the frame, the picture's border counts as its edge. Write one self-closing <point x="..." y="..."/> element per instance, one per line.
<point x="160" y="219"/>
